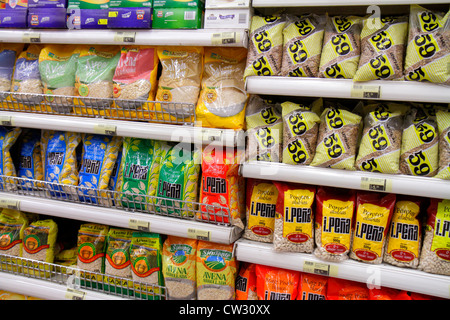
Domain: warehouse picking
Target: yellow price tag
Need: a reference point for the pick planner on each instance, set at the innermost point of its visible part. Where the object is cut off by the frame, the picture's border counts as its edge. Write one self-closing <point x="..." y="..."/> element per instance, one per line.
<point x="6" y="120"/>
<point x="365" y="91"/>
<point x="128" y="37"/>
<point x="106" y="129"/>
<point x="376" y="184"/>
<point x="225" y="38"/>
<point x="211" y="135"/>
<point x="31" y="37"/>
<point x="199" y="234"/>
<point x="139" y="225"/>
<point x="73" y="294"/>
<point x="319" y="268"/>
<point x="10" y="204"/>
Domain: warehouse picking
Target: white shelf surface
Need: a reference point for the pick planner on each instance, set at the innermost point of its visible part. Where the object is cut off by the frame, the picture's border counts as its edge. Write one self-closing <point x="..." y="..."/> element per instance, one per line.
<point x="399" y="184"/>
<point x="136" y="129"/>
<point x="345" y="88"/>
<point x="124" y="219"/>
<point x="309" y="3"/>
<point x="196" y="37"/>
<point x="376" y="275"/>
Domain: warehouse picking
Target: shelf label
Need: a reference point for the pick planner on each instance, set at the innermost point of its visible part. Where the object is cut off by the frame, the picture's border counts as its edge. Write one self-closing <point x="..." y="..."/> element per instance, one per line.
<point x="319" y="268"/>
<point x="106" y="129"/>
<point x="198" y="234"/>
<point x="211" y="135"/>
<point x="365" y="91"/>
<point x="376" y="184"/>
<point x="139" y="225"/>
<point x="224" y="38"/>
<point x="31" y="37"/>
<point x="6" y="120"/>
<point x="128" y="37"/>
<point x="73" y="294"/>
<point x="9" y="204"/>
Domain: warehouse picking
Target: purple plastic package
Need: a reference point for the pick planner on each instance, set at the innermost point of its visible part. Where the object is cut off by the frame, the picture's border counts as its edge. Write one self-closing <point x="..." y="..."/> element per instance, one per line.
<point x="13" y="18"/>
<point x="47" y="18"/>
<point x="139" y="18"/>
<point x="47" y="3"/>
<point x="87" y="19"/>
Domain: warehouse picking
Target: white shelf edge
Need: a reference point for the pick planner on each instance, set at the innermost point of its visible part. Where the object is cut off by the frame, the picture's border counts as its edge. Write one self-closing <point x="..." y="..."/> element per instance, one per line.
<point x="401" y="184"/>
<point x="342" y="88"/>
<point x="195" y="37"/>
<point x="379" y="275"/>
<point x="121" y="218"/>
<point x="319" y="3"/>
<point x="45" y="289"/>
<point x="136" y="129"/>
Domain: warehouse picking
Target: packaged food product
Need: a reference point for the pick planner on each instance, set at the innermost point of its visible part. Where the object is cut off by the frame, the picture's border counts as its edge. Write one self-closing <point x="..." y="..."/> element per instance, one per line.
<point x="8" y="137"/>
<point x="261" y="202"/>
<point x="30" y="165"/>
<point x="117" y="262"/>
<point x="341" y="47"/>
<point x="12" y="227"/>
<point x="294" y="219"/>
<point x="91" y="243"/>
<point x="302" y="45"/>
<point x="223" y="98"/>
<point x="179" y="267"/>
<point x="8" y="56"/>
<point x="300" y="130"/>
<point x="145" y="257"/>
<point x="246" y="282"/>
<point x="264" y="130"/>
<point x="67" y="257"/>
<point x="265" y="49"/>
<point x="335" y="210"/>
<point x="428" y="46"/>
<point x="221" y="185"/>
<point x="383" y="43"/>
<point x="443" y="124"/>
<point x="39" y="240"/>
<point x="312" y="287"/>
<point x="383" y="293"/>
<point x="274" y="283"/>
<point x="435" y="257"/>
<point x="7" y="295"/>
<point x="216" y="271"/>
<point x="343" y="289"/>
<point x="371" y="225"/>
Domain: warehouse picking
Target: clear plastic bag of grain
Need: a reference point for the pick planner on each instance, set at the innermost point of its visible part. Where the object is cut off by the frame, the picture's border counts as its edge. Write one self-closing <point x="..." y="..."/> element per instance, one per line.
<point x="427" y="56"/>
<point x="302" y="45"/>
<point x="294" y="219"/>
<point x="264" y="130"/>
<point x="91" y="245"/>
<point x="39" y="240"/>
<point x="12" y="226"/>
<point x="8" y="56"/>
<point x="335" y="212"/>
<point x="341" y="47"/>
<point x="117" y="262"/>
<point x="435" y="255"/>
<point x="443" y="123"/>
<point x="145" y="258"/>
<point x="404" y="240"/>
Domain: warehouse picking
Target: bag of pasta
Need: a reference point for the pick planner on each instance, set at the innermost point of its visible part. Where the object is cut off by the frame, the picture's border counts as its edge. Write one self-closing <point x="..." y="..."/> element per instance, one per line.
<point x="383" y="42"/>
<point x="341" y="47"/>
<point x="300" y="129"/>
<point x="117" y="262"/>
<point x="8" y="137"/>
<point x="443" y="124"/>
<point x="265" y="49"/>
<point x="274" y="283"/>
<point x="30" y="158"/>
<point x="223" y="98"/>
<point x="12" y="227"/>
<point x="91" y="243"/>
<point x="264" y="130"/>
<point x="428" y="47"/>
<point x="8" y="56"/>
<point x="302" y="45"/>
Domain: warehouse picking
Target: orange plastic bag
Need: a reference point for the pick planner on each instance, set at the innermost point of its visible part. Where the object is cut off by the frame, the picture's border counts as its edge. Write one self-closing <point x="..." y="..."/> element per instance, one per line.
<point x="312" y="287"/>
<point x="276" y="284"/>
<point x="246" y="282"/>
<point x="383" y="293"/>
<point x="342" y="289"/>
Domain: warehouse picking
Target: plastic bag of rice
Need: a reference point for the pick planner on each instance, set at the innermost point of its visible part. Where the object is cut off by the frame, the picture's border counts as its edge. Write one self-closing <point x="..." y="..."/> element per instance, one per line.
<point x="274" y="283"/>
<point x="435" y="256"/>
<point x="265" y="49"/>
<point x="381" y="141"/>
<point x="302" y="45"/>
<point x="246" y="282"/>
<point x="145" y="258"/>
<point x="404" y="240"/>
<point x="335" y="210"/>
<point x="221" y="185"/>
<point x="312" y="287"/>
<point x="180" y="82"/>
<point x="30" y="165"/>
<point x="179" y="267"/>
<point x="223" y="98"/>
<point x="117" y="262"/>
<point x="383" y="43"/>
<point x="8" y="137"/>
<point x="337" y="139"/>
<point x="294" y="219"/>
<point x="261" y="203"/>
<point x="428" y="47"/>
<point x="8" y="56"/>
<point x="39" y="240"/>
<point x="420" y="142"/>
<point x="341" y="47"/>
<point x="12" y="227"/>
<point x="443" y="124"/>
<point x="371" y="225"/>
<point x="264" y="130"/>
<point x="91" y="245"/>
<point x="300" y="129"/>
<point x="216" y="271"/>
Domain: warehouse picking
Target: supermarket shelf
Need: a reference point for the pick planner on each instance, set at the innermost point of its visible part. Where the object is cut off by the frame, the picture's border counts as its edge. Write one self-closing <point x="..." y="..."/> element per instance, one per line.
<point x="144" y="130"/>
<point x="378" y="275"/>
<point x="198" y="37"/>
<point x="399" y="184"/>
<point x="121" y="218"/>
<point x="347" y="89"/>
<point x="309" y="3"/>
<point x="46" y="290"/>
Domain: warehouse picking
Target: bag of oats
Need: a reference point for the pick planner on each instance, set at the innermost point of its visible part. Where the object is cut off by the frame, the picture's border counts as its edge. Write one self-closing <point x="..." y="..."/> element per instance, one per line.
<point x="443" y="124"/>
<point x="335" y="209"/>
<point x="341" y="47"/>
<point x="8" y="56"/>
<point x="8" y="137"/>
<point x="380" y="146"/>
<point x="294" y="218"/>
<point x="371" y="225"/>
<point x="264" y="130"/>
<point x="91" y="243"/>
<point x="274" y="283"/>
<point x="216" y="271"/>
<point x="246" y="282"/>
<point x="383" y="42"/>
<point x="30" y="165"/>
<point x="145" y="258"/>
<point x="302" y="45"/>
<point x="435" y="256"/>
<point x="39" y="240"/>
<point x="404" y="240"/>
<point x="12" y="227"/>
<point x="261" y="203"/>
<point x="117" y="262"/>
<point x="300" y="130"/>
<point x="428" y="46"/>
<point x="179" y="267"/>
<point x="265" y="49"/>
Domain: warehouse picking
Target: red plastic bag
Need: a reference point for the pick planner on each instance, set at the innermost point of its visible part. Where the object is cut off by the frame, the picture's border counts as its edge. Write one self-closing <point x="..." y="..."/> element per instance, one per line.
<point x="276" y="284"/>
<point x="312" y="287"/>
<point x="342" y="289"/>
<point x="383" y="293"/>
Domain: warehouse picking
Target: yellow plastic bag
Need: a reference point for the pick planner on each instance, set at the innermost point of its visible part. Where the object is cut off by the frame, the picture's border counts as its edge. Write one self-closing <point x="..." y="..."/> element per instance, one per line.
<point x="443" y="123"/>
<point x="8" y="137"/>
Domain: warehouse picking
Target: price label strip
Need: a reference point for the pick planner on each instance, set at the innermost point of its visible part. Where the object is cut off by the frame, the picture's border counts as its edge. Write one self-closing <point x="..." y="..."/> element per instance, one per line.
<point x="319" y="268"/>
<point x="211" y="135"/>
<point x="225" y="38"/>
<point x="6" y="120"/>
<point x="139" y="225"/>
<point x="366" y="91"/>
<point x="73" y="294"/>
<point x="199" y="234"/>
<point x="376" y="184"/>
<point x="127" y="37"/>
<point x="106" y="129"/>
<point x="31" y="37"/>
<point x="9" y="204"/>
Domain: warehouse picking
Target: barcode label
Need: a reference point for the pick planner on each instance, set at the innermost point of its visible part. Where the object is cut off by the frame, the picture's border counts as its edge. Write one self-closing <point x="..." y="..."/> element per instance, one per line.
<point x="319" y="268"/>
<point x="199" y="234"/>
<point x="365" y="91"/>
<point x="6" y="120"/>
<point x="33" y="37"/>
<point x="376" y="184"/>
<point x="139" y="225"/>
<point x="242" y="18"/>
<point x="189" y="15"/>
<point x="73" y="294"/>
<point x="106" y="129"/>
<point x="224" y="38"/>
<point x="127" y="37"/>
<point x="10" y="204"/>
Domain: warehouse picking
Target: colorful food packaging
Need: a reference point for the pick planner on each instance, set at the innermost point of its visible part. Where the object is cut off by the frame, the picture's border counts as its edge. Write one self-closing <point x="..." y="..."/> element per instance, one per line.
<point x="276" y="283"/>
